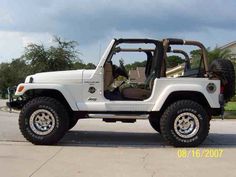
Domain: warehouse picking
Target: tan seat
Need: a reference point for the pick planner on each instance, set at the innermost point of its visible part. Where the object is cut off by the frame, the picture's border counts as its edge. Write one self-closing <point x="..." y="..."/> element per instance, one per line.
<point x="136" y="93"/>
<point x="108" y="76"/>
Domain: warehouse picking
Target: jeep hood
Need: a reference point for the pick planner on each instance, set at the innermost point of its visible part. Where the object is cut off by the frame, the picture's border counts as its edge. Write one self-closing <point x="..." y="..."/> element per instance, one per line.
<point x="73" y="76"/>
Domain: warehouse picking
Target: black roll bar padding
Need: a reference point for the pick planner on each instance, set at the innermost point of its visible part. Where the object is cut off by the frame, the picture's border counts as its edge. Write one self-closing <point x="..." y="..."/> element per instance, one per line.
<point x="169" y="49"/>
<point x="131" y="41"/>
<point x="118" y="49"/>
<point x="181" y="52"/>
<point x="149" y="63"/>
<point x="174" y="41"/>
<point x="187" y="59"/>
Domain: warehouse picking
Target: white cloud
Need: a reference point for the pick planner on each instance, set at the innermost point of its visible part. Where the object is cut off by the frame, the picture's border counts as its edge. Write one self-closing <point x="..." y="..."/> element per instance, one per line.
<point x="94" y="23"/>
<point x="37" y="38"/>
<point x="5" y="18"/>
<point x="12" y="43"/>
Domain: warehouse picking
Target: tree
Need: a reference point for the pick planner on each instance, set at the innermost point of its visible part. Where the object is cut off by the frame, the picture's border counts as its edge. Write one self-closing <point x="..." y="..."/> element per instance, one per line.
<point x="36" y="56"/>
<point x="195" y="56"/>
<point x="135" y="65"/>
<point x="12" y="74"/>
<point x="216" y="53"/>
<point x="62" y="56"/>
<point x="173" y="61"/>
<point x="81" y="65"/>
<point x="90" y="66"/>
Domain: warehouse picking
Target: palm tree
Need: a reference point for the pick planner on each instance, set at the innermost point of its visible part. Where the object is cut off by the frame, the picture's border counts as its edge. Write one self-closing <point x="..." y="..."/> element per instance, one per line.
<point x="217" y="53"/>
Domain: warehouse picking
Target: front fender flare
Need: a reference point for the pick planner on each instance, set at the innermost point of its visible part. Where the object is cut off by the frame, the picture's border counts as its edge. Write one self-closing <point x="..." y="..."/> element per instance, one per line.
<point x="68" y="96"/>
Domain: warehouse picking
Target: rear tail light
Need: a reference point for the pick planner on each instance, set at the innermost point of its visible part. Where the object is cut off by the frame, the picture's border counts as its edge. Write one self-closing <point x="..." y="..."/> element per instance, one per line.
<point x="222" y="89"/>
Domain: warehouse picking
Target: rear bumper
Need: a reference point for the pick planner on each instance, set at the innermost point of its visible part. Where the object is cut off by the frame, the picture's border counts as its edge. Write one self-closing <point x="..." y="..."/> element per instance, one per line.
<point x="219" y="111"/>
<point x="222" y="105"/>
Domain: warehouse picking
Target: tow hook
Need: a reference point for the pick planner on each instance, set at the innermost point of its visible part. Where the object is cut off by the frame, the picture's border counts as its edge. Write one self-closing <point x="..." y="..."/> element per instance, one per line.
<point x="222" y="105"/>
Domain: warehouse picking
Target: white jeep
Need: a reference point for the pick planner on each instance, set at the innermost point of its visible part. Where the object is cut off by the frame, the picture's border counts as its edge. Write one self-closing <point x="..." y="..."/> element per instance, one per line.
<point x="179" y="108"/>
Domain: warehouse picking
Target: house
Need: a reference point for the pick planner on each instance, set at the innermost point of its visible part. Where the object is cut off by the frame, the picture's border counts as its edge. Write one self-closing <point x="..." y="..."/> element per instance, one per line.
<point x="230" y="46"/>
<point x="176" y="71"/>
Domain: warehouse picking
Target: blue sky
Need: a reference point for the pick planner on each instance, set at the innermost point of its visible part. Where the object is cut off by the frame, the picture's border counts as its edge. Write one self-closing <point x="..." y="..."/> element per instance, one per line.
<point x="94" y="23"/>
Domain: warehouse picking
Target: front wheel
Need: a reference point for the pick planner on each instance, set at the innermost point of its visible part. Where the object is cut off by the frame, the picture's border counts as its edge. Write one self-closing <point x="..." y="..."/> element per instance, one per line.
<point x="43" y="121"/>
<point x="185" y="123"/>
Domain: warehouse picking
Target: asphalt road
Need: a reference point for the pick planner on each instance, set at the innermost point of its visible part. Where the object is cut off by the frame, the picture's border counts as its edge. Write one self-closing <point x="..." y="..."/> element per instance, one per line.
<point x="94" y="148"/>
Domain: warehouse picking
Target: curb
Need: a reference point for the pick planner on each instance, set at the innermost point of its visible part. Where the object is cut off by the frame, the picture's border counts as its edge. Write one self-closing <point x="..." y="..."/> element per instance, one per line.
<point x="6" y="109"/>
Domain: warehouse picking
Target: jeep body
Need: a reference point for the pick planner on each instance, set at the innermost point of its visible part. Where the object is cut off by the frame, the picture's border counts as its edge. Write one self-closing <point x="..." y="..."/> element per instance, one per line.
<point x="85" y="94"/>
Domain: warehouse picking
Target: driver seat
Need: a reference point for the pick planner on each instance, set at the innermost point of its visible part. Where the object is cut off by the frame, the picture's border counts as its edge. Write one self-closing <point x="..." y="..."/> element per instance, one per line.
<point x="108" y="75"/>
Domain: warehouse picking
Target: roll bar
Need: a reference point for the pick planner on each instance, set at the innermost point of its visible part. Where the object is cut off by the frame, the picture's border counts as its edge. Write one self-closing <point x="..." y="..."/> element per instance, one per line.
<point x="187" y="59"/>
<point x="181" y="52"/>
<point x="173" y="41"/>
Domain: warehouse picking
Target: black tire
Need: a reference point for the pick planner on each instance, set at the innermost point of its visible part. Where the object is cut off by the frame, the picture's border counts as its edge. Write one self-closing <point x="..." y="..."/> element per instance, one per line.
<point x="72" y="122"/>
<point x="155" y="124"/>
<point x="170" y="124"/>
<point x="224" y="70"/>
<point x="36" y="114"/>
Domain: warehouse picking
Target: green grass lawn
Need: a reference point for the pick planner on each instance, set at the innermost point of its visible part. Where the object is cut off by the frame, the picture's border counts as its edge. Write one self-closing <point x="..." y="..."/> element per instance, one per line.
<point x="230" y="110"/>
<point x="230" y="106"/>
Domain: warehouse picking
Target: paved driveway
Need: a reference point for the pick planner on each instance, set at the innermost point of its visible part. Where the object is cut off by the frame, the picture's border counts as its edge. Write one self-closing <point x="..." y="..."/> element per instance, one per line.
<point x="94" y="148"/>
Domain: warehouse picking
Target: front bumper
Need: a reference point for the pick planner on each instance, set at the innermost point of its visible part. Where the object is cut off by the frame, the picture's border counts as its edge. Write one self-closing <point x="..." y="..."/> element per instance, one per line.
<point x="14" y="102"/>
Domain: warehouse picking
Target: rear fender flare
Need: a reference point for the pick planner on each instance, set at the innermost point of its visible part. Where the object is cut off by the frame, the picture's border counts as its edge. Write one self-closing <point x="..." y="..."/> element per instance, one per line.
<point x="212" y="99"/>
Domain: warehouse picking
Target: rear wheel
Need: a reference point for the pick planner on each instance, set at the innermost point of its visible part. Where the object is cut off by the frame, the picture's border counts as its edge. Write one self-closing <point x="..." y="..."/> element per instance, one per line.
<point x="185" y="123"/>
<point x="43" y="121"/>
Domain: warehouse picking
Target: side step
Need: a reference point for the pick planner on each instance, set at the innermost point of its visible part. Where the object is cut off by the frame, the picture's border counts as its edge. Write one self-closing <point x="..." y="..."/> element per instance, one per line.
<point x="108" y="120"/>
<point x="126" y="118"/>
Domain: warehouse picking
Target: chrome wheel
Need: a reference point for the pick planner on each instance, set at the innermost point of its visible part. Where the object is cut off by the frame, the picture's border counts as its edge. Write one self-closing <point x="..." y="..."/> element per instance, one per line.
<point x="42" y="122"/>
<point x="186" y="125"/>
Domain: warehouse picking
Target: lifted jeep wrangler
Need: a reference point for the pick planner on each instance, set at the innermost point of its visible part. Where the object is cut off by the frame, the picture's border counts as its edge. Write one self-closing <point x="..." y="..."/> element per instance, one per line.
<point x="179" y="108"/>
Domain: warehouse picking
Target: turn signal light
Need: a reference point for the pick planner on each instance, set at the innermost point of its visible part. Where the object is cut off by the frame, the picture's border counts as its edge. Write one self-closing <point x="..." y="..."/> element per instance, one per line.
<point x="20" y="88"/>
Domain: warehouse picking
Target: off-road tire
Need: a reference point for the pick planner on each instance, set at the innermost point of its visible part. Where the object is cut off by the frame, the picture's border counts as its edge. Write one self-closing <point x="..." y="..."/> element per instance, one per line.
<point x="223" y="69"/>
<point x="155" y="124"/>
<point x="171" y="114"/>
<point x="56" y="109"/>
